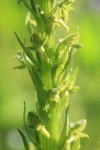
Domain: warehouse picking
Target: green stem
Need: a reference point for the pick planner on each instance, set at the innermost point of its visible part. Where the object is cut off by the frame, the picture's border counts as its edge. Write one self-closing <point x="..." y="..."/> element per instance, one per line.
<point x="53" y="127"/>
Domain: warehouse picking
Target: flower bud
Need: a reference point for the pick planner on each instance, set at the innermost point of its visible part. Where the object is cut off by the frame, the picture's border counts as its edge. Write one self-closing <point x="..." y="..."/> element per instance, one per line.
<point x="43" y="131"/>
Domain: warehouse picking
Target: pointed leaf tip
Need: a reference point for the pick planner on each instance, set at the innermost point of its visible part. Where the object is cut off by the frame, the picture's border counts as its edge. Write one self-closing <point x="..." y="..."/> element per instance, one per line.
<point x="20" y="42"/>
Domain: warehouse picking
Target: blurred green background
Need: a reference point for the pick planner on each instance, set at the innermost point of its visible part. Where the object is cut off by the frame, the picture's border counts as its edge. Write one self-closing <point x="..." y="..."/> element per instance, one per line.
<point x="16" y="86"/>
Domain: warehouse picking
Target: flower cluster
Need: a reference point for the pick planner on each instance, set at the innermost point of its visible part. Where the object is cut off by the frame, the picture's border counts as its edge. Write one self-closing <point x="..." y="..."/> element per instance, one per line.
<point x="50" y="67"/>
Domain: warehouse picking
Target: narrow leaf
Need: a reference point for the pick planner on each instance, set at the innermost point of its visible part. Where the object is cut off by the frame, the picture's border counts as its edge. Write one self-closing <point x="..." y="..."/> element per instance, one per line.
<point x="34" y="11"/>
<point x="26" y="5"/>
<point x="24" y="140"/>
<point x="33" y="59"/>
<point x="47" y="22"/>
<point x="33" y="136"/>
<point x="31" y="48"/>
<point x="30" y="70"/>
<point x="30" y="132"/>
<point x="67" y="66"/>
<point x="33" y="5"/>
<point x="28" y="53"/>
<point x="19" y="67"/>
<point x="22" y="45"/>
<point x="41" y="93"/>
<point x="63" y="136"/>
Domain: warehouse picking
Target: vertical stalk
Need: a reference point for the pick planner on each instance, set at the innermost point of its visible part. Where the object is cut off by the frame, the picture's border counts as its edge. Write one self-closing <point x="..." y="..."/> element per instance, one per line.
<point x="50" y="124"/>
<point x="53" y="128"/>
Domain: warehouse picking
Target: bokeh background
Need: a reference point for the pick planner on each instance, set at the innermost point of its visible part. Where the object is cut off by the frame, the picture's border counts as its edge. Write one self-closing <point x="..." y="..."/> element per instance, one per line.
<point x="16" y="86"/>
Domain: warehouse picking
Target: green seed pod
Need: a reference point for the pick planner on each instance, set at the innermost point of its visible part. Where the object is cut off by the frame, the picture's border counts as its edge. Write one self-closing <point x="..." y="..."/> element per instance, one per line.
<point x="36" y="40"/>
<point x="33" y="119"/>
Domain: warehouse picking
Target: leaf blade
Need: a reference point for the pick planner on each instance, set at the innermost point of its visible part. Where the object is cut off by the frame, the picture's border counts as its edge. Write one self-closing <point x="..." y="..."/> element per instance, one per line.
<point x="26" y="145"/>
